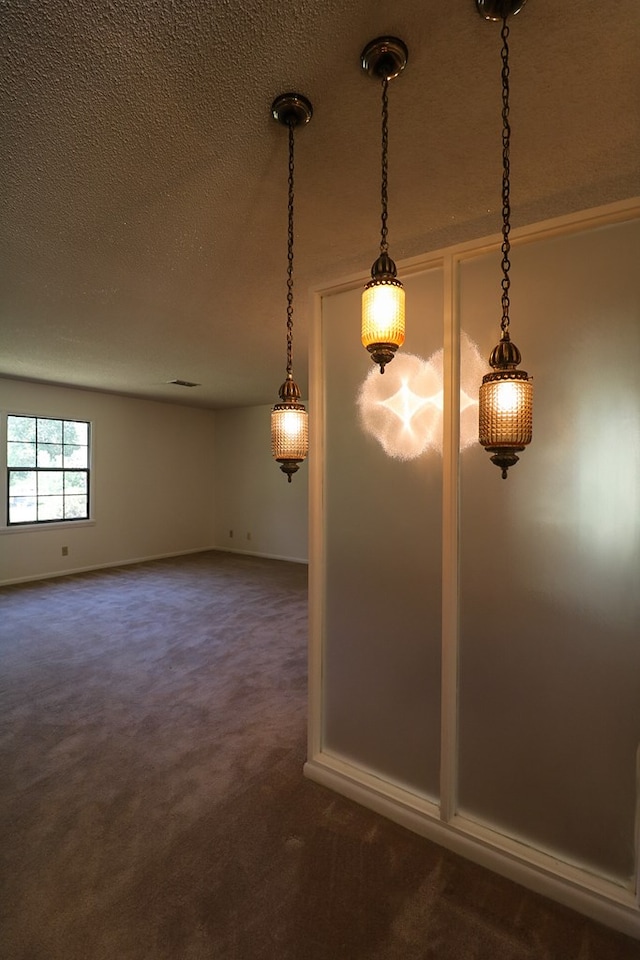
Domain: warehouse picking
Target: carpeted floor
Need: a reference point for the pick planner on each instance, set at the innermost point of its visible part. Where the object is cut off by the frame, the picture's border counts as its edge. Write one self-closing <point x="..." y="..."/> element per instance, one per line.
<point x="153" y="804"/>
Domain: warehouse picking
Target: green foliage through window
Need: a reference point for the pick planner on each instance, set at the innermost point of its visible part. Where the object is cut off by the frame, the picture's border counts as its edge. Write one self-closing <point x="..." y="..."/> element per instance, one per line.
<point x="48" y="470"/>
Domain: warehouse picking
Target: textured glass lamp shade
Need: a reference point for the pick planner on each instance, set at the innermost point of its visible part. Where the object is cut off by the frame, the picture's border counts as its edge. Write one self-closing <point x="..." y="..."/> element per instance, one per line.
<point x="289" y="436"/>
<point x="383" y="319"/>
<point x="505" y="415"/>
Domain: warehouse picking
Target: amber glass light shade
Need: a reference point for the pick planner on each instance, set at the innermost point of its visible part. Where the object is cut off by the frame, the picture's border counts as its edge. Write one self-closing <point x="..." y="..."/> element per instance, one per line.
<point x="383" y="319"/>
<point x="506" y="415"/>
<point x="289" y="430"/>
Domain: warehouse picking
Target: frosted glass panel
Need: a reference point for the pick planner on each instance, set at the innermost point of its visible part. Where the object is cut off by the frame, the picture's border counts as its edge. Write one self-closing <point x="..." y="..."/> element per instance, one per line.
<point x="550" y="558"/>
<point x="381" y="670"/>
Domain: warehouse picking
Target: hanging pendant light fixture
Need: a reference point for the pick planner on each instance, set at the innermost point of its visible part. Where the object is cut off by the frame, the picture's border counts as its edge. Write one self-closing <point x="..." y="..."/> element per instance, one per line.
<point x="289" y="419"/>
<point x="383" y="297"/>
<point x="506" y="394"/>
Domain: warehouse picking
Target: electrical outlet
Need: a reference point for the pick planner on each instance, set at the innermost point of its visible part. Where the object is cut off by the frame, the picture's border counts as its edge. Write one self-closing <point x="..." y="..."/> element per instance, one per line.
<point x="248" y="536"/>
<point x="231" y="534"/>
<point x="65" y="551"/>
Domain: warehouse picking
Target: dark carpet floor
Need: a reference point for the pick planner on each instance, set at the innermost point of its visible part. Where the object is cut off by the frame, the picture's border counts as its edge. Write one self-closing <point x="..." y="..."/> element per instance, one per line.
<point x="153" y="804"/>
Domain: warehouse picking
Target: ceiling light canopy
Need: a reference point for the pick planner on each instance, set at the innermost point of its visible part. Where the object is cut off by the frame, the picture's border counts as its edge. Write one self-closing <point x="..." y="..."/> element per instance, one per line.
<point x="506" y="395"/>
<point x="289" y="419"/>
<point x="383" y="297"/>
<point x="499" y="9"/>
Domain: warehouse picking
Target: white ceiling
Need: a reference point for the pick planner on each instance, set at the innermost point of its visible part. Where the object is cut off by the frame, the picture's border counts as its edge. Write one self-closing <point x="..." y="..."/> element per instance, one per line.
<point x="143" y="225"/>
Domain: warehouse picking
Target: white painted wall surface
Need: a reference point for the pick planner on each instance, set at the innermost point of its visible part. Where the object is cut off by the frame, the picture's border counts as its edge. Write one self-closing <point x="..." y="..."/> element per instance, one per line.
<point x="382" y="515"/>
<point x="550" y="560"/>
<point x="267" y="515"/>
<point x="540" y="575"/>
<point x="152" y="482"/>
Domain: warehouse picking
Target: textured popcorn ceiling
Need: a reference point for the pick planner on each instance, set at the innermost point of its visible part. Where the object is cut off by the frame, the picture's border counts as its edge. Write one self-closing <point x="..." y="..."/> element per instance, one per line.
<point x="143" y="222"/>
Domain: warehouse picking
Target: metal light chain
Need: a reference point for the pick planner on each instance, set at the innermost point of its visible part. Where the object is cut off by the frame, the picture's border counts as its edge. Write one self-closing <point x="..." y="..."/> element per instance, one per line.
<point x="384" y="245"/>
<point x="506" y="199"/>
<point x="290" y="256"/>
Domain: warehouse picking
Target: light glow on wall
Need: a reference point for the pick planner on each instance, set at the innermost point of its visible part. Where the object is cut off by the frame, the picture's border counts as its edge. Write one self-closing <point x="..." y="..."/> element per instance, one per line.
<point x="404" y="409"/>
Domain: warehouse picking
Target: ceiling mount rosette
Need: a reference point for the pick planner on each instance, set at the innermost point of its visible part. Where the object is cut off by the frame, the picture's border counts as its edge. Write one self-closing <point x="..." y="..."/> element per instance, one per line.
<point x="292" y="108"/>
<point x="384" y="58"/>
<point x="499" y="9"/>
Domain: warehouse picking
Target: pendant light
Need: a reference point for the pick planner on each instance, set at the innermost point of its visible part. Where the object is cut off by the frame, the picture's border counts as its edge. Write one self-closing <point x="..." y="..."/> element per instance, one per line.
<point x="383" y="297"/>
<point x="506" y="394"/>
<point x="289" y="419"/>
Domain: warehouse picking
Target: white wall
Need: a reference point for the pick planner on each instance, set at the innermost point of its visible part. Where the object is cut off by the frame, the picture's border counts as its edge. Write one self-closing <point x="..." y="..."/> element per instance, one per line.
<point x="382" y="515"/>
<point x="550" y="560"/>
<point x="268" y="515"/>
<point x="152" y="483"/>
<point x="538" y="574"/>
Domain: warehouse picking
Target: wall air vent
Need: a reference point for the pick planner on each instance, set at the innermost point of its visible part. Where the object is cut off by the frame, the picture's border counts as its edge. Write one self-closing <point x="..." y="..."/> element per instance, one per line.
<point x="183" y="383"/>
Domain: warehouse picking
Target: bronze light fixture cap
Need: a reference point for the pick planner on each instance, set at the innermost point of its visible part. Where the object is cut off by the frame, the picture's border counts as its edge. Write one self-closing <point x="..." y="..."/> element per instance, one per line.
<point x="289" y="392"/>
<point x="499" y="9"/>
<point x="384" y="58"/>
<point x="384" y="268"/>
<point x="505" y="459"/>
<point x="382" y="353"/>
<point x="292" y="108"/>
<point x="505" y="355"/>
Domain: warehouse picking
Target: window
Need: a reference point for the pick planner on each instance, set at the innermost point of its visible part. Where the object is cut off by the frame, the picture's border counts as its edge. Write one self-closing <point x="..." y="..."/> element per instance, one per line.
<point x="47" y="470"/>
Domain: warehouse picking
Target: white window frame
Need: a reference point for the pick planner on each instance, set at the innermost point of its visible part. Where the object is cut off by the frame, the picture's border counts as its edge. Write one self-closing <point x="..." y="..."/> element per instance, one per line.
<point x="40" y="525"/>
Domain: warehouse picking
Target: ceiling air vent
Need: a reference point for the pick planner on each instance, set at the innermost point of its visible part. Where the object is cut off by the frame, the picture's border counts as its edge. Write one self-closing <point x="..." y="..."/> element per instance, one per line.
<point x="183" y="383"/>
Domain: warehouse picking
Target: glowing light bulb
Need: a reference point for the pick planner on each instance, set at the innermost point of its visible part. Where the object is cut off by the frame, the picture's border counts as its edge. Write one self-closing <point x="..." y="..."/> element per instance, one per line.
<point x="292" y="423"/>
<point x="508" y="397"/>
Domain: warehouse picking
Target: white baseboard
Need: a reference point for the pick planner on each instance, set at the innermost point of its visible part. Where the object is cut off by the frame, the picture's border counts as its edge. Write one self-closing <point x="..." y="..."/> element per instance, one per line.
<point x="600" y="899"/>
<point x="102" y="566"/>
<point x="126" y="563"/>
<point x="258" y="553"/>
